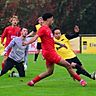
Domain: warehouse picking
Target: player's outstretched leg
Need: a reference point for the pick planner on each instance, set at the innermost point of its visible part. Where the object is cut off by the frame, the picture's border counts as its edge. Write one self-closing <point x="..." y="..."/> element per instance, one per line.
<point x="43" y="75"/>
<point x="71" y="71"/>
<point x="81" y="70"/>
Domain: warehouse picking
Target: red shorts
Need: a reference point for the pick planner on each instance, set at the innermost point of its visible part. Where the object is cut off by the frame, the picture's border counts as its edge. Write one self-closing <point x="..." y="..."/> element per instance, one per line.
<point x="51" y="57"/>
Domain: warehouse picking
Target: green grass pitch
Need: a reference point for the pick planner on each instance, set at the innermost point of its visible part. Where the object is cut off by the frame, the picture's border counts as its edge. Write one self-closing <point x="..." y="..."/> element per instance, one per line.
<point x="59" y="84"/>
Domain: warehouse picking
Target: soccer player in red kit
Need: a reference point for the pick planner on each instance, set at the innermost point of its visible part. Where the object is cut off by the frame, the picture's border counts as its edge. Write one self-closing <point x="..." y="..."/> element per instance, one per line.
<point x="9" y="33"/>
<point x="49" y="53"/>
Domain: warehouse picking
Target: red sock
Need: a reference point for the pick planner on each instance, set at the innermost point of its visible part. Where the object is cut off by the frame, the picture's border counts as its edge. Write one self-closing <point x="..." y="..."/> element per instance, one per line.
<point x="77" y="77"/>
<point x="36" y="79"/>
<point x="2" y="65"/>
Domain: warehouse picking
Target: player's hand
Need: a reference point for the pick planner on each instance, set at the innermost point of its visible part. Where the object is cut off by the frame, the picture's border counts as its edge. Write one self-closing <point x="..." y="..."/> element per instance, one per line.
<point x="3" y="54"/>
<point x="76" y="28"/>
<point x="63" y="45"/>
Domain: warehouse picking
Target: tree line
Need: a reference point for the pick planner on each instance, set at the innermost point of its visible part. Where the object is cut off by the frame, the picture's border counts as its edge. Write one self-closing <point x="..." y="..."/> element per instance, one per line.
<point x="67" y="13"/>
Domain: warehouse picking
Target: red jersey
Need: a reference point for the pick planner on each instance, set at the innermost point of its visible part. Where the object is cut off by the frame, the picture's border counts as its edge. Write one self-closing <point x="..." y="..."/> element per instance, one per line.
<point x="48" y="49"/>
<point x="47" y="41"/>
<point x="9" y="33"/>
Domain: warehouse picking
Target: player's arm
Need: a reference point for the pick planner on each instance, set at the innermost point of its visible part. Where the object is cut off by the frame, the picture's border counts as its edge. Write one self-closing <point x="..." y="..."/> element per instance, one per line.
<point x="11" y="44"/>
<point x="73" y="35"/>
<point x="31" y="34"/>
<point x="3" y="36"/>
<point x="33" y="39"/>
<point x="61" y="45"/>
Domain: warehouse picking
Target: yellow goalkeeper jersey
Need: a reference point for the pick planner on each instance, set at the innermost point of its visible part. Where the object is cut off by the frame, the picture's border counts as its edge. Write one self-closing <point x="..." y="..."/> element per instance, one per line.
<point x="63" y="52"/>
<point x="37" y="28"/>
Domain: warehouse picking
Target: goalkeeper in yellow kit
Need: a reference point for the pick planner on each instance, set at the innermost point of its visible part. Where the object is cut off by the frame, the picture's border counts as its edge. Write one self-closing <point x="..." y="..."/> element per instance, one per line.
<point x="68" y="53"/>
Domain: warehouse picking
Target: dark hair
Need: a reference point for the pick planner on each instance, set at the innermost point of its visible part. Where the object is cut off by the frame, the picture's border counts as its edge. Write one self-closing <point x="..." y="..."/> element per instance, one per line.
<point x="56" y="28"/>
<point x="38" y="20"/>
<point x="23" y="27"/>
<point x="46" y="16"/>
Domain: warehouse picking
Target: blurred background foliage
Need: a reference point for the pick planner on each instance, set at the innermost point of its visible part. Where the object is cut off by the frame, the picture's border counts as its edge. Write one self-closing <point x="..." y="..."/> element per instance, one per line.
<point x="67" y="13"/>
